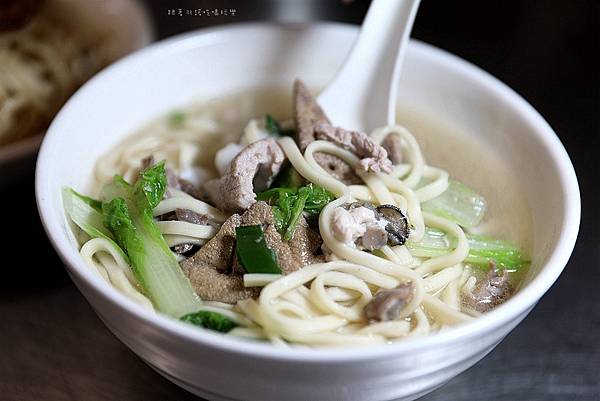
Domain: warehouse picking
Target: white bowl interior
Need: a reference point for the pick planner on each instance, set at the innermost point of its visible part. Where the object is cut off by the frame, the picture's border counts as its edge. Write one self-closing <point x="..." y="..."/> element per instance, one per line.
<point x="176" y="72"/>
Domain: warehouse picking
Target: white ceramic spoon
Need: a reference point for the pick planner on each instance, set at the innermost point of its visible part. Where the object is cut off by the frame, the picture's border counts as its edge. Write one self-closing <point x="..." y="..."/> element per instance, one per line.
<point x="362" y="95"/>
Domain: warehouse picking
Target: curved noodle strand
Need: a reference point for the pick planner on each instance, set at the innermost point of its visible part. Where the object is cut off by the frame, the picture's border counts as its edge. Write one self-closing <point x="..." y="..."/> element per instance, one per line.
<point x="100" y="253"/>
<point x="413" y="151"/>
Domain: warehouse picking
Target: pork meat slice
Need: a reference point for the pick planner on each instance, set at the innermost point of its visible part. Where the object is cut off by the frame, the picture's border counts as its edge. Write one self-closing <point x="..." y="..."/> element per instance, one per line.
<point x="338" y="168"/>
<point x="393" y="146"/>
<point x="374" y="158"/>
<point x="492" y="291"/>
<point x="386" y="305"/>
<point x="307" y="115"/>
<point x="253" y="169"/>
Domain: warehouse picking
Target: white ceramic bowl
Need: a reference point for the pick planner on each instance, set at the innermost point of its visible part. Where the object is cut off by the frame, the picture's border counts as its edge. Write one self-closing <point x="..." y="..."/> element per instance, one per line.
<point x="212" y="62"/>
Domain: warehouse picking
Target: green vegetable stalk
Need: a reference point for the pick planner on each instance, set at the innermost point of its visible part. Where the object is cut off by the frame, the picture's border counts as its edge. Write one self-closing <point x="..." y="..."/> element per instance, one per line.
<point x="482" y="250"/>
<point x="125" y="216"/>
<point x="459" y="204"/>
<point x="86" y="213"/>
<point x="127" y="211"/>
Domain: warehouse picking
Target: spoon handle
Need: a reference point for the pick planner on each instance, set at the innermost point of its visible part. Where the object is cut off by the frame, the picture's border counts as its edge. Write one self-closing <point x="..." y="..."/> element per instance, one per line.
<point x="363" y="93"/>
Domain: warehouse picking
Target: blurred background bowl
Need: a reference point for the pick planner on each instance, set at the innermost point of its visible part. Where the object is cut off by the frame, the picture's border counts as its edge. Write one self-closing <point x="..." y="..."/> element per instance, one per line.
<point x="122" y="25"/>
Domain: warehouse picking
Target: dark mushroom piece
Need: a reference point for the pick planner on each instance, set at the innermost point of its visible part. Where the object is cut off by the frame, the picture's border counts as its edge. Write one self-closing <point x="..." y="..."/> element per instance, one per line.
<point x="397" y="226"/>
<point x="386" y="305"/>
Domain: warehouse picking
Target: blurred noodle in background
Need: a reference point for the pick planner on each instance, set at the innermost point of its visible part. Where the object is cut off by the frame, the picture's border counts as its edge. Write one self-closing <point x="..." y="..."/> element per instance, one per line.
<point x="50" y="48"/>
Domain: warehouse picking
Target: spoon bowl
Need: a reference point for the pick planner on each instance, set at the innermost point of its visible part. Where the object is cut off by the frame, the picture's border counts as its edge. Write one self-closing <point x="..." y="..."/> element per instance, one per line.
<point x="362" y="95"/>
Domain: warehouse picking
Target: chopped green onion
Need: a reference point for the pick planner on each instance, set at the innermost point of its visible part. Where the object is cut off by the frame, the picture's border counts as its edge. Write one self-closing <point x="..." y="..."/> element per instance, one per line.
<point x="209" y="320"/>
<point x="176" y="118"/>
<point x="459" y="204"/>
<point x="253" y="252"/>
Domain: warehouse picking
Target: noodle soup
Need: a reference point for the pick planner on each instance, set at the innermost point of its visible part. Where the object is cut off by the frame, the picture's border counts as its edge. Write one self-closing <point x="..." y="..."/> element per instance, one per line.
<point x="238" y="216"/>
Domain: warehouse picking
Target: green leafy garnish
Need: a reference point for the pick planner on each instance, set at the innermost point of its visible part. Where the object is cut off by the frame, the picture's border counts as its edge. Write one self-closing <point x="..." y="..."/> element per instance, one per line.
<point x="253" y="252"/>
<point x="210" y="320"/>
<point x="296" y="211"/>
<point x="274" y="128"/>
<point x="176" y="118"/>
<point x="150" y="187"/>
<point x="288" y="204"/>
<point x="317" y="199"/>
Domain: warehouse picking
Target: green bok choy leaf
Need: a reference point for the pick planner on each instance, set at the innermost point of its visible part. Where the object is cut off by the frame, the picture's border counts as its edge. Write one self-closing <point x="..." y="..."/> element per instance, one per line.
<point x="127" y="211"/>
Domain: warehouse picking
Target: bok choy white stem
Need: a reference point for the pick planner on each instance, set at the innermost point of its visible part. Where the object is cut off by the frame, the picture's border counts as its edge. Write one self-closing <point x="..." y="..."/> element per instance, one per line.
<point x="482" y="249"/>
<point x="127" y="211"/>
<point x="458" y="203"/>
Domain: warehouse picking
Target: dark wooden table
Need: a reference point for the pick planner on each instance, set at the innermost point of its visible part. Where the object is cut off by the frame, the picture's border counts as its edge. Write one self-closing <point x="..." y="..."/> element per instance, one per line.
<point x="53" y="347"/>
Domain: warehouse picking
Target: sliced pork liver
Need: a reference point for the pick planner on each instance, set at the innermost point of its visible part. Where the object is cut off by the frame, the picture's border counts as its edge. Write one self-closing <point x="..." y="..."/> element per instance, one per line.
<point x="211" y="270"/>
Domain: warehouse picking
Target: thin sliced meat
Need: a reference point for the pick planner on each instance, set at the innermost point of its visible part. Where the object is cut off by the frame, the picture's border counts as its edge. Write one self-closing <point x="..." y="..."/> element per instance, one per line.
<point x="493" y="290"/>
<point x="374" y="158"/>
<point x="252" y="170"/>
<point x="386" y="305"/>
<point x="307" y="115"/>
<point x="14" y="14"/>
<point x="338" y="168"/>
<point x="393" y="146"/>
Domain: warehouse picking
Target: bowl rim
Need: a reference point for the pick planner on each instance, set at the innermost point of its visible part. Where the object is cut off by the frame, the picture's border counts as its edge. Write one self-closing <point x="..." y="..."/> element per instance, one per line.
<point x="520" y="304"/>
